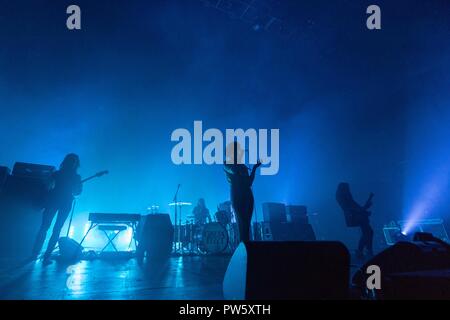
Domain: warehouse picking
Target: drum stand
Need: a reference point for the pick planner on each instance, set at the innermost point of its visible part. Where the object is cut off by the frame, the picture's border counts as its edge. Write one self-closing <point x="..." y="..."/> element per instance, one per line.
<point x="180" y="237"/>
<point x="178" y="243"/>
<point x="232" y="237"/>
<point x="177" y="236"/>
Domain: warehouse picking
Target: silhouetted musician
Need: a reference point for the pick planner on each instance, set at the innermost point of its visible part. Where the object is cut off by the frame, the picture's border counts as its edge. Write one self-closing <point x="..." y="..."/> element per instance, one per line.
<point x="241" y="188"/>
<point x="356" y="216"/>
<point x="66" y="183"/>
<point x="201" y="212"/>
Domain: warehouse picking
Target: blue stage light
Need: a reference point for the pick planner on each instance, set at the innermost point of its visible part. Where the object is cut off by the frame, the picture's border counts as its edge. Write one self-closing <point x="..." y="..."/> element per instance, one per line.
<point x="430" y="197"/>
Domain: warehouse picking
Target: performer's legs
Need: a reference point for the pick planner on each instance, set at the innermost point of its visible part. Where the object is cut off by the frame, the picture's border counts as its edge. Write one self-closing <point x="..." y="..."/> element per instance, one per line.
<point x="362" y="241"/>
<point x="248" y="216"/>
<point x="63" y="213"/>
<point x="47" y="218"/>
<point x="244" y="229"/>
<point x="243" y="208"/>
<point x="368" y="231"/>
<point x="366" y="240"/>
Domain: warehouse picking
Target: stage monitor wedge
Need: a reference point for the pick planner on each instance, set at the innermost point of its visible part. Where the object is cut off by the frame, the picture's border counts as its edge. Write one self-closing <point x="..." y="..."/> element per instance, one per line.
<point x="410" y="270"/>
<point x="69" y="249"/>
<point x="263" y="270"/>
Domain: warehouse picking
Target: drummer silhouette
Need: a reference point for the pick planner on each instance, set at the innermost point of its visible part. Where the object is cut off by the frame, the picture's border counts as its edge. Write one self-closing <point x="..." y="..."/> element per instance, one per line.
<point x="201" y="212"/>
<point x="241" y="182"/>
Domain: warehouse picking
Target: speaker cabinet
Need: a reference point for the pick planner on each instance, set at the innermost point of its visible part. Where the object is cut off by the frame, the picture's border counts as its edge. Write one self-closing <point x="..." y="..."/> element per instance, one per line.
<point x="274" y="212"/>
<point x="297" y="214"/>
<point x="288" y="270"/>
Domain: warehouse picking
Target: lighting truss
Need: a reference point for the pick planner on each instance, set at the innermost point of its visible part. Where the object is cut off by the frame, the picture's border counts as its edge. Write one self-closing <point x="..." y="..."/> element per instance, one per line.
<point x="256" y="13"/>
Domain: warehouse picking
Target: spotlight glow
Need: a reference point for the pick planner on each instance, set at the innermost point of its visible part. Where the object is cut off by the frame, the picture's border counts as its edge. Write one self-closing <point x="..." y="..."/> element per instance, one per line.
<point x="430" y="197"/>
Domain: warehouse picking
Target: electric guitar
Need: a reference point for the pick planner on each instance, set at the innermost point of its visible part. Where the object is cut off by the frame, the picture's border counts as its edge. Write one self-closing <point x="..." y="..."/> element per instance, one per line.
<point x="97" y="175"/>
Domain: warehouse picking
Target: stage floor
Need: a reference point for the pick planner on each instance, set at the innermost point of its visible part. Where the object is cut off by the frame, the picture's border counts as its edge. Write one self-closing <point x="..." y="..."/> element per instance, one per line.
<point x="187" y="277"/>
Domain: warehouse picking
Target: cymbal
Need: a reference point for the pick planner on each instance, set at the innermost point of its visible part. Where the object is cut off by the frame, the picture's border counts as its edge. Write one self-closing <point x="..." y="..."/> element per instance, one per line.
<point x="180" y="203"/>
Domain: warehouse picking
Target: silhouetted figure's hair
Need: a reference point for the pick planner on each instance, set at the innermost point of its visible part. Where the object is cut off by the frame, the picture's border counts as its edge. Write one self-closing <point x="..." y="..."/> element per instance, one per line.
<point x="234" y="153"/>
<point x="344" y="197"/>
<point x="201" y="212"/>
<point x="201" y="202"/>
<point x="71" y="162"/>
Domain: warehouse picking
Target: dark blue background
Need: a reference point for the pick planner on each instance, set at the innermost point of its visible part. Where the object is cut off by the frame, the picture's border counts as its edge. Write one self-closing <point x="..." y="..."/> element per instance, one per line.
<point x="368" y="107"/>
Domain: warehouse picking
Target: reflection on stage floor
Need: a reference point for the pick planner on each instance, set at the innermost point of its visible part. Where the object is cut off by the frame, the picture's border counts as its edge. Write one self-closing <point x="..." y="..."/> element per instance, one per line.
<point x="186" y="277"/>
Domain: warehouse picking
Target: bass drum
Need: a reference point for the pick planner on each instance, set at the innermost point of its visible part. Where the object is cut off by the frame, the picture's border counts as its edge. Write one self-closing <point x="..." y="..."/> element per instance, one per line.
<point x="211" y="238"/>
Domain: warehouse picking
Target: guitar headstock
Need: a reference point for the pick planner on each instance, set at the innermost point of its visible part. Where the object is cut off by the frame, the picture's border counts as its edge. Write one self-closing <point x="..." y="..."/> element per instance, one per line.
<point x="101" y="173"/>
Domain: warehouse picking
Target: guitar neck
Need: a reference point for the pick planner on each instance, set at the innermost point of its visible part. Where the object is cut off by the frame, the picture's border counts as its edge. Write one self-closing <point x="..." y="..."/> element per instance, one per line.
<point x="97" y="175"/>
<point x="89" y="178"/>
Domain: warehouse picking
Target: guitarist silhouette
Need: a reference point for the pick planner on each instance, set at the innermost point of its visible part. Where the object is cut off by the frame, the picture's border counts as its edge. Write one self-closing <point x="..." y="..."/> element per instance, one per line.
<point x="357" y="216"/>
<point x="65" y="184"/>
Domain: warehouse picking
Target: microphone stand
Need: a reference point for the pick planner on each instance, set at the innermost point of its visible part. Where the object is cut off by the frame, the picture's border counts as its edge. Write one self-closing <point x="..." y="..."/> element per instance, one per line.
<point x="71" y="216"/>
<point x="70" y="222"/>
<point x="177" y="228"/>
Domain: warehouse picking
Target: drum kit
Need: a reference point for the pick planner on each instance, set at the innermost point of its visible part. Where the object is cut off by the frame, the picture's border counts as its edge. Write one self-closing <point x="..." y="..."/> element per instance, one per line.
<point x="216" y="237"/>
